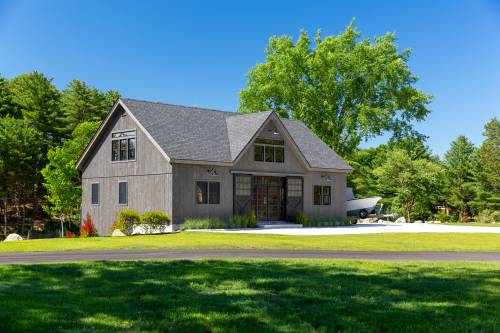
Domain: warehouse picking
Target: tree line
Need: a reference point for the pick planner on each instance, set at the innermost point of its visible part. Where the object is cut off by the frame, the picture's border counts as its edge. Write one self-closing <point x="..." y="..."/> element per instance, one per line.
<point x="37" y="122"/>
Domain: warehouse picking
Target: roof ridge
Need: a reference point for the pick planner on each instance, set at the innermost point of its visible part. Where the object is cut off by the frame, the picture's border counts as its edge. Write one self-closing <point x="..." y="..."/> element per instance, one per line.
<point x="180" y="105"/>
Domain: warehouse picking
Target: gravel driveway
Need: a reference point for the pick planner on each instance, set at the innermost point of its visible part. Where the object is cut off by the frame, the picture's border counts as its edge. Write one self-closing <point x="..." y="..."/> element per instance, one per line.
<point x="367" y="228"/>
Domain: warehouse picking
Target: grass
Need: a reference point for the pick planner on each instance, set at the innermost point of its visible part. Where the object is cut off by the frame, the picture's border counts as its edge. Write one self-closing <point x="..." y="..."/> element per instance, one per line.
<point x="195" y="240"/>
<point x="473" y="224"/>
<point x="250" y="296"/>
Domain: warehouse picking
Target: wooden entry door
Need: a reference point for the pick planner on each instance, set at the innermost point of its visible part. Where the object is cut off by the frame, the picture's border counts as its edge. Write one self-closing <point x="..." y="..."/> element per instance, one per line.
<point x="269" y="198"/>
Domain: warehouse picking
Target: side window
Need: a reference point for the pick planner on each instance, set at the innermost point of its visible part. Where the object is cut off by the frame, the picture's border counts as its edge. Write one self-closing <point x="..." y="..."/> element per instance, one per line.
<point x="123" y="193"/>
<point x="322" y="195"/>
<point x="243" y="186"/>
<point x="207" y="193"/>
<point x="123" y="146"/>
<point x="95" y="193"/>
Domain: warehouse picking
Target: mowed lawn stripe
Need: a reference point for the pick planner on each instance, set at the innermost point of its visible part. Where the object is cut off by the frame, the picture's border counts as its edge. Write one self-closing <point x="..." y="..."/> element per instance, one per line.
<point x="187" y="240"/>
<point x="250" y="296"/>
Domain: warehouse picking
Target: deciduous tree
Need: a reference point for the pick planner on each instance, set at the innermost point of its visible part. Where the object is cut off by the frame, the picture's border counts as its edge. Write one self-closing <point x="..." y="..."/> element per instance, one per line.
<point x="345" y="89"/>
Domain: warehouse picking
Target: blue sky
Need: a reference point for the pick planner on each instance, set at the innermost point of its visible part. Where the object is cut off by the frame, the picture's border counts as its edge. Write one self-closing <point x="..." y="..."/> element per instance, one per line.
<point x="198" y="52"/>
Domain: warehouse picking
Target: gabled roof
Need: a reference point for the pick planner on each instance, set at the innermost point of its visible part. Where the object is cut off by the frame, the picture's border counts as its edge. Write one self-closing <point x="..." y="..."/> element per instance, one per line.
<point x="194" y="134"/>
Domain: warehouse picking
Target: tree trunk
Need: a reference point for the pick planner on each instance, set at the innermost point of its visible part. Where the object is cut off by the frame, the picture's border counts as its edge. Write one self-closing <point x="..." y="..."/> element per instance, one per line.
<point x="62" y="226"/>
<point x="5" y="216"/>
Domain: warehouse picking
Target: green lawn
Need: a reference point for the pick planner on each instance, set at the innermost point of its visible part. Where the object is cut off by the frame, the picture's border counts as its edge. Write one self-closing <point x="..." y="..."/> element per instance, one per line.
<point x="188" y="240"/>
<point x="250" y="296"/>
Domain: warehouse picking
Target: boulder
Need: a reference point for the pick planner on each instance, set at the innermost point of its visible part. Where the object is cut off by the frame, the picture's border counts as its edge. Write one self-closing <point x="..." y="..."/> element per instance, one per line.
<point x="400" y="220"/>
<point x="381" y="221"/>
<point x="419" y="221"/>
<point x="117" y="233"/>
<point x="13" y="238"/>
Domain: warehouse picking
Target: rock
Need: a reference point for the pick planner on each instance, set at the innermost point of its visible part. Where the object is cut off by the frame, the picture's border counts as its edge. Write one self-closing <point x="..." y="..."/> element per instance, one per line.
<point x="400" y="220"/>
<point x="419" y="221"/>
<point x="117" y="233"/>
<point x="381" y="221"/>
<point x="13" y="238"/>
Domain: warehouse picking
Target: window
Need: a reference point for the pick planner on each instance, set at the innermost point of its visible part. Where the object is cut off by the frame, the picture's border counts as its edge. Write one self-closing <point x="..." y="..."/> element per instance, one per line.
<point x="123" y="145"/>
<point x="207" y="193"/>
<point x="295" y="187"/>
<point x="279" y="154"/>
<point x="322" y="195"/>
<point x="123" y="193"/>
<point x="243" y="185"/>
<point x="214" y="193"/>
<point x="95" y="194"/>
<point x="269" y="150"/>
<point x="269" y="154"/>
<point x="259" y="153"/>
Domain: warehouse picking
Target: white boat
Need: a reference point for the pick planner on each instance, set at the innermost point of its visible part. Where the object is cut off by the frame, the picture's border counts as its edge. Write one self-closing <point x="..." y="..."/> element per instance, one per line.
<point x="360" y="207"/>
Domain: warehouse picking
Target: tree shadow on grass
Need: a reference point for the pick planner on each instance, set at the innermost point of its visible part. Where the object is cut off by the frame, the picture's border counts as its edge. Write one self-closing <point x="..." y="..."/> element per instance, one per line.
<point x="249" y="296"/>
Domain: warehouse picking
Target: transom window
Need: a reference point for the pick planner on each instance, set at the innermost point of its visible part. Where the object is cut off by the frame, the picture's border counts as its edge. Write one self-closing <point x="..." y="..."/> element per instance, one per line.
<point x="268" y="150"/>
<point x="243" y="185"/>
<point x="123" y="146"/>
<point x="322" y="195"/>
<point x="207" y="193"/>
<point x="294" y="187"/>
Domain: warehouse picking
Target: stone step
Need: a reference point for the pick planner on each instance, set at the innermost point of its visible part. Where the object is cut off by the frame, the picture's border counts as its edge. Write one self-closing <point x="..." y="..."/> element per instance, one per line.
<point x="278" y="225"/>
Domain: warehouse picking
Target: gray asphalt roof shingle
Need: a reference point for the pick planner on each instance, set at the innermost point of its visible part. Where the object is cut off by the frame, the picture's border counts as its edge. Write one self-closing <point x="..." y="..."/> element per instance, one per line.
<point x="191" y="133"/>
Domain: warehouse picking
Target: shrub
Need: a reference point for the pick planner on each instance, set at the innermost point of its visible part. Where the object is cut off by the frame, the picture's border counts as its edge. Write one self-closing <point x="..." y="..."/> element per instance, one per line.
<point x="236" y="221"/>
<point x="251" y="219"/>
<point x="87" y="228"/>
<point x="155" y="220"/>
<point x="125" y="221"/>
<point x="324" y="221"/>
<point x="301" y="218"/>
<point x="488" y="216"/>
<point x="203" y="223"/>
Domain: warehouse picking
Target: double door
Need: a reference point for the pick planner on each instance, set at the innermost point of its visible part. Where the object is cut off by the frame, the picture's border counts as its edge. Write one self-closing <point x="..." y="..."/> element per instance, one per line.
<point x="269" y="198"/>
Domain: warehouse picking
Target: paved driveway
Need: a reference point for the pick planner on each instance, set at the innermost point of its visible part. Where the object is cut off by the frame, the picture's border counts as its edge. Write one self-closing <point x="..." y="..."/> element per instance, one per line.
<point x="71" y="256"/>
<point x="368" y="228"/>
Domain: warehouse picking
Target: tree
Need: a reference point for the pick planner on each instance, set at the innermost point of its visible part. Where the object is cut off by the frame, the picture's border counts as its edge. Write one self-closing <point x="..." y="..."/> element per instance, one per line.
<point x="7" y="106"/>
<point x="81" y="102"/>
<point x="459" y="161"/>
<point x="489" y="157"/>
<point x="413" y="183"/>
<point x="38" y="101"/>
<point x="487" y="170"/>
<point x="364" y="161"/>
<point x="20" y="155"/>
<point x="61" y="178"/>
<point x="344" y="89"/>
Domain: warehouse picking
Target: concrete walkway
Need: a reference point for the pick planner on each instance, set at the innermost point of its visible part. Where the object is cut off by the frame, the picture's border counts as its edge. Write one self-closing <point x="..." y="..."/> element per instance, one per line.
<point x="73" y="256"/>
<point x="367" y="228"/>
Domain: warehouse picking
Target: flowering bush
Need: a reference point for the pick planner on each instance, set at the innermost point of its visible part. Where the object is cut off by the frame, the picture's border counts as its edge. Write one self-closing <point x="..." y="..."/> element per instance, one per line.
<point x="87" y="228"/>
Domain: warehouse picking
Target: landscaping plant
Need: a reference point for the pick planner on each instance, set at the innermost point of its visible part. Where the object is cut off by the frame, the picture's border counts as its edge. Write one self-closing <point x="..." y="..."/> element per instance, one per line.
<point x="155" y="220"/>
<point x="87" y="228"/>
<point x="125" y="220"/>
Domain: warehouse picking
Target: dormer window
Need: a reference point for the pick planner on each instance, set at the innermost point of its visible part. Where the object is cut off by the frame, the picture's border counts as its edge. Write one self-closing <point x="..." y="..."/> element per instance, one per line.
<point x="123" y="145"/>
<point x="268" y="150"/>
